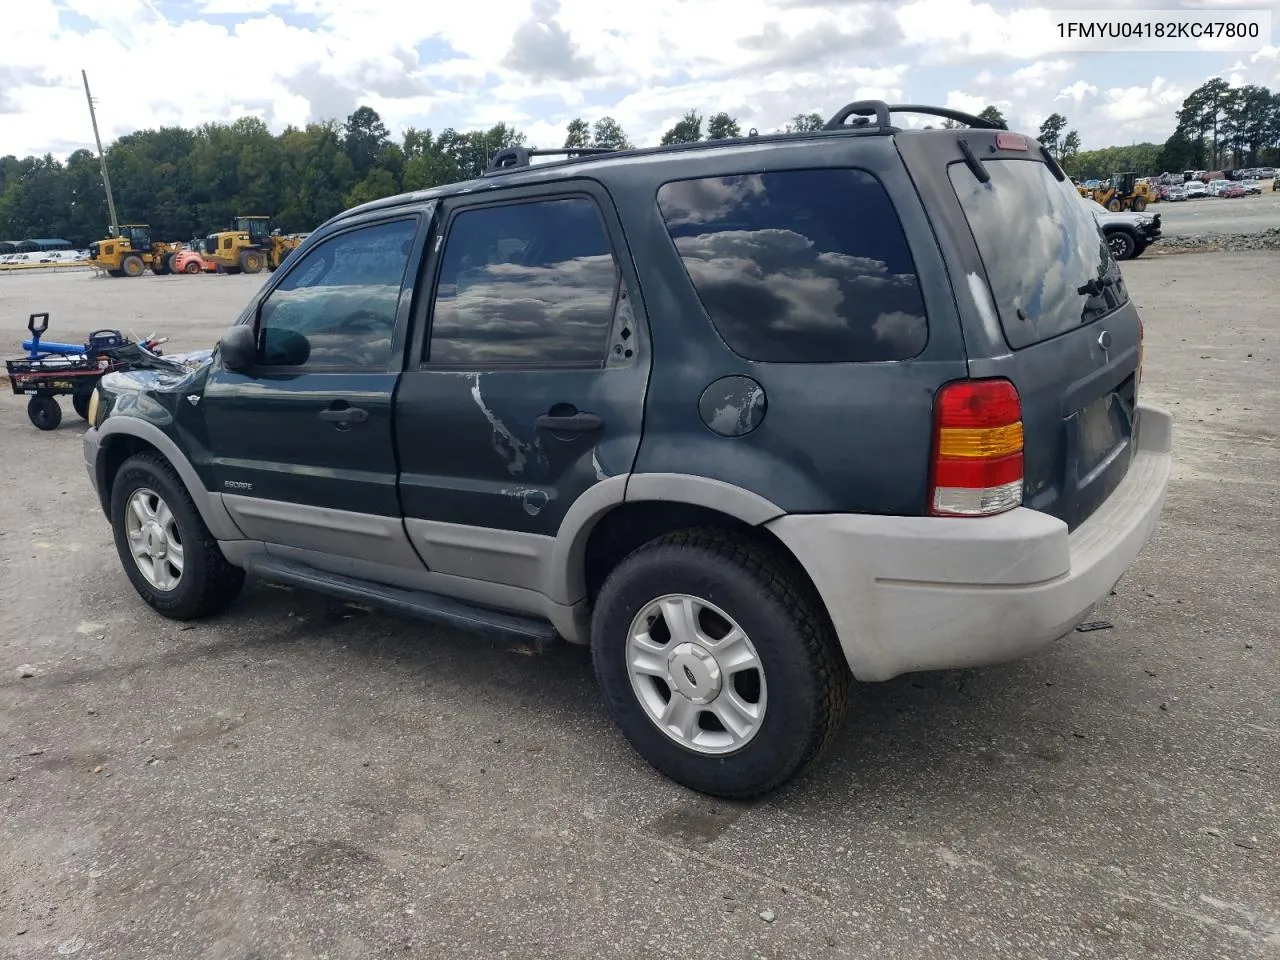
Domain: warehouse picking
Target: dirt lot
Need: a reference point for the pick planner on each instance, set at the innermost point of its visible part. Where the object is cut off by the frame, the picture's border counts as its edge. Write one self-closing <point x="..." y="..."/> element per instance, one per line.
<point x="1213" y="217"/>
<point x="305" y="779"/>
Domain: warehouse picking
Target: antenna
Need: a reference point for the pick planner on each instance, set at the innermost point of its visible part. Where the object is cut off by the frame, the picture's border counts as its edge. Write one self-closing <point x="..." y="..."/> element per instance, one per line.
<point x="102" y="158"/>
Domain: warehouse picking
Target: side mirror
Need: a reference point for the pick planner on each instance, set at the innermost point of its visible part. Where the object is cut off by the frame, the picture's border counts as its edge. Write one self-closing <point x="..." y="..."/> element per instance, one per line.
<point x="238" y="348"/>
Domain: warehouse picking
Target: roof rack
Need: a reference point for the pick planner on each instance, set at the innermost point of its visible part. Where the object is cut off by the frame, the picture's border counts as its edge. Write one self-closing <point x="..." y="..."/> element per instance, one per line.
<point x="512" y="157"/>
<point x="862" y="110"/>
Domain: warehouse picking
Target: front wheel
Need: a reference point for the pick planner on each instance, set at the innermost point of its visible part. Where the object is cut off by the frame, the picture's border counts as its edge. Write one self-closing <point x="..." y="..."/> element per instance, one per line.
<point x="44" y="412"/>
<point x="191" y="267"/>
<point x="1122" y="244"/>
<point x="1139" y="204"/>
<point x="168" y="553"/>
<point x="132" y="266"/>
<point x="718" y="663"/>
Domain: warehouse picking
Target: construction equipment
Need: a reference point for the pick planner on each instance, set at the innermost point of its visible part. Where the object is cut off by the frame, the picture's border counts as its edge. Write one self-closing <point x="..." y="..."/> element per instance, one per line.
<point x="1123" y="192"/>
<point x="131" y="252"/>
<point x="251" y="244"/>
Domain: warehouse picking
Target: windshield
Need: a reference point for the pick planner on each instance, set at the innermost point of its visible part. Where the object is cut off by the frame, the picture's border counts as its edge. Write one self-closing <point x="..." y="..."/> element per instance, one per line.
<point x="1046" y="259"/>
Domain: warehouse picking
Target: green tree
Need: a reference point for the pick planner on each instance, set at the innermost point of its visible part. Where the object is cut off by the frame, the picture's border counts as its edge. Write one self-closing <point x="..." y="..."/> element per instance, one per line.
<point x="1051" y="132"/>
<point x="992" y="115"/>
<point x="723" y="127"/>
<point x="1070" y="145"/>
<point x="688" y="129"/>
<point x="364" y="137"/>
<point x="805" y="123"/>
<point x="608" y="133"/>
<point x="577" y="134"/>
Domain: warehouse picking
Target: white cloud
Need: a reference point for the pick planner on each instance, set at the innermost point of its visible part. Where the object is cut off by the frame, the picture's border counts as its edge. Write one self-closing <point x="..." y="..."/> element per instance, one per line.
<point x="539" y="63"/>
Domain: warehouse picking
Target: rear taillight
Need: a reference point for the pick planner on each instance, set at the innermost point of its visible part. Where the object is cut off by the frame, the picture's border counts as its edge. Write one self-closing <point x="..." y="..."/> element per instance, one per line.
<point x="977" y="449"/>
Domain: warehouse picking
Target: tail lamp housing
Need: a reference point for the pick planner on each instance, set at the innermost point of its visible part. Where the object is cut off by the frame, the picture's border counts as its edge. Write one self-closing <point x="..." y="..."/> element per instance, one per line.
<point x="977" y="467"/>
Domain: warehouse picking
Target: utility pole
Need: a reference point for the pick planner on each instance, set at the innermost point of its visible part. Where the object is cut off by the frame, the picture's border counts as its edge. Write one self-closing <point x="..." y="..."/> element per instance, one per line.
<point x="102" y="159"/>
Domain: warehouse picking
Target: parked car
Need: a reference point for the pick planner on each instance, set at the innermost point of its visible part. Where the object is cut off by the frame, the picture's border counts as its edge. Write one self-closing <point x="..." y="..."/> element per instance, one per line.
<point x="751" y="418"/>
<point x="1251" y="186"/>
<point x="1233" y="190"/>
<point x="1176" y="192"/>
<point x="1195" y="190"/>
<point x="1128" y="234"/>
<point x="1215" y="187"/>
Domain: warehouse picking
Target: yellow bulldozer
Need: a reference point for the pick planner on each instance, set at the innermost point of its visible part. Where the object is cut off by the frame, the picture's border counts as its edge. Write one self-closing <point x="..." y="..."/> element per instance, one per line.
<point x="1125" y="192"/>
<point x="131" y="252"/>
<point x="251" y="244"/>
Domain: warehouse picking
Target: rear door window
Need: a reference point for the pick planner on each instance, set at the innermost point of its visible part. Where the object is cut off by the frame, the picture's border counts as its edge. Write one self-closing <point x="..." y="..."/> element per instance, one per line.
<point x="1046" y="259"/>
<point x="799" y="266"/>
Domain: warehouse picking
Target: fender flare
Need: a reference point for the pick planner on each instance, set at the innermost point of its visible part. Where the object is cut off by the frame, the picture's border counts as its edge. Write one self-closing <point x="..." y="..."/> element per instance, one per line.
<point x="208" y="504"/>
<point x="566" y="573"/>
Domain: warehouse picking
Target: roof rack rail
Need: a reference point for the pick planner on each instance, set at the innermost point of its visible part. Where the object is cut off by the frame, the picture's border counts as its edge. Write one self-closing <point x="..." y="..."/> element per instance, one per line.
<point x="863" y="109"/>
<point x="519" y="156"/>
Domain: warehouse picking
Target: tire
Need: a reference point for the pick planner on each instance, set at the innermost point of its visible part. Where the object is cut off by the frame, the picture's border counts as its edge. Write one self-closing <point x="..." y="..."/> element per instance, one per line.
<point x="192" y="267"/>
<point x="1122" y="244"/>
<point x="115" y="273"/>
<point x="1137" y="251"/>
<point x="44" y="412"/>
<point x="168" y="263"/>
<point x="132" y="266"/>
<point x="1115" y="206"/>
<point x="207" y="583"/>
<point x="805" y="685"/>
<point x="251" y="261"/>
<point x="1139" y="204"/>
<point x="80" y="403"/>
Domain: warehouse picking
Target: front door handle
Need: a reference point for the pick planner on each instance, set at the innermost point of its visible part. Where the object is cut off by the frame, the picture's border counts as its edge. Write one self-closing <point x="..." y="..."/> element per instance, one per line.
<point x="570" y="423"/>
<point x="343" y="416"/>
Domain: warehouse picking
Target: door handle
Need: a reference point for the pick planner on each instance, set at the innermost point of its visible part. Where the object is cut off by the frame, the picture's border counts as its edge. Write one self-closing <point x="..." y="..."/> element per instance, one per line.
<point x="570" y="423"/>
<point x="344" y="415"/>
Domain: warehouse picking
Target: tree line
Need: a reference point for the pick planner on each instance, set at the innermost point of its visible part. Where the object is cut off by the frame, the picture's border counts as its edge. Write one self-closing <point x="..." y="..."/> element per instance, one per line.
<point x="188" y="182"/>
<point x="1218" y="127"/>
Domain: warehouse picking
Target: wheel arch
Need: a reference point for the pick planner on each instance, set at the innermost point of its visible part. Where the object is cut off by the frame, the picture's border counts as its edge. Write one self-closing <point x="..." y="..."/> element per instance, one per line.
<point x="621" y="513"/>
<point x="123" y="437"/>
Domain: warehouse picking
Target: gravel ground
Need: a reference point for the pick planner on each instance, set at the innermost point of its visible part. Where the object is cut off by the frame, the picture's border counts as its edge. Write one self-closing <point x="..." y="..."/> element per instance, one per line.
<point x="301" y="778"/>
<point x="1216" y="217"/>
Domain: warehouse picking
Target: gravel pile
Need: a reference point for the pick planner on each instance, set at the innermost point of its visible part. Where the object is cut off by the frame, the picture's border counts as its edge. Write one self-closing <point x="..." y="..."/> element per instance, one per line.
<point x="1231" y="242"/>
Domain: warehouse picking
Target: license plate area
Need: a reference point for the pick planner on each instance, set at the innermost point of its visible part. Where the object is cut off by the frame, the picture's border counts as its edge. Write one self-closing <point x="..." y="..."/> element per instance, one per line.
<point x="1100" y="432"/>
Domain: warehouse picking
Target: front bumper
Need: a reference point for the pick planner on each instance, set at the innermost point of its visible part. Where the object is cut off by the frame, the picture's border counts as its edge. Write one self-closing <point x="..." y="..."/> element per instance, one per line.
<point x="907" y="594"/>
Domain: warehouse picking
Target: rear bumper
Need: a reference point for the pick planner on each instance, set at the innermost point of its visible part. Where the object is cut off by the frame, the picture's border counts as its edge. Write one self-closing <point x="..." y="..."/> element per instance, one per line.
<point x="907" y="594"/>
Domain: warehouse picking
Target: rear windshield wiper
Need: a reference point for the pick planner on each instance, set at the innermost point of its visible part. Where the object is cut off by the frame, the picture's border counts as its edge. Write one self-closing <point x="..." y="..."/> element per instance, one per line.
<point x="1095" y="286"/>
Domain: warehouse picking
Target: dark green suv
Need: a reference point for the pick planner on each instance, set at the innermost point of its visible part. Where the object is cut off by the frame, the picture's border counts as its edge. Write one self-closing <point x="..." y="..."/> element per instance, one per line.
<point x="752" y="418"/>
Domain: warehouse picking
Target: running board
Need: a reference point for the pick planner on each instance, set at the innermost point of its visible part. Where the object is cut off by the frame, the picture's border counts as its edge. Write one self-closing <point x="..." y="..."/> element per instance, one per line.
<point x="414" y="603"/>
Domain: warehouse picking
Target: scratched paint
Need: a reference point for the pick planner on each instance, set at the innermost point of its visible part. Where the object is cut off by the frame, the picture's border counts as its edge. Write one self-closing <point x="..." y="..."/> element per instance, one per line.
<point x="732" y="406"/>
<point x="505" y="443"/>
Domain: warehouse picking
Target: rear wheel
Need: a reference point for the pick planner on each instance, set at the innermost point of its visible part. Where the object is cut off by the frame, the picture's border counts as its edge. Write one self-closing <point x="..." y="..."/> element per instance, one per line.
<point x="251" y="261"/>
<point x="44" y="412"/>
<point x="1139" y="204"/>
<point x="80" y="403"/>
<point x="1122" y="244"/>
<point x="1115" y="206"/>
<point x="168" y="553"/>
<point x="115" y="273"/>
<point x="717" y="663"/>
<point x="191" y="267"/>
<point x="132" y="265"/>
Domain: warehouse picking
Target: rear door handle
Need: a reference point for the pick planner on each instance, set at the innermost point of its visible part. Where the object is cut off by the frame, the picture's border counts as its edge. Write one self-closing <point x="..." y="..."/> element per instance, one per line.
<point x="344" y="415"/>
<point x="571" y="423"/>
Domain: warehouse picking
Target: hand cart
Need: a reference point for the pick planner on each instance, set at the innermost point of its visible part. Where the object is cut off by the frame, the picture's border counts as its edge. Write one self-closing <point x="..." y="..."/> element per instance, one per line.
<point x="50" y="370"/>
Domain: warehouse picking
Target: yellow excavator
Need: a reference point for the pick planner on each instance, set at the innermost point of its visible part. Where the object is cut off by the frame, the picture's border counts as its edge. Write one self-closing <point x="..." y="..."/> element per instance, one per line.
<point x="1124" y="192"/>
<point x="131" y="252"/>
<point x="251" y="244"/>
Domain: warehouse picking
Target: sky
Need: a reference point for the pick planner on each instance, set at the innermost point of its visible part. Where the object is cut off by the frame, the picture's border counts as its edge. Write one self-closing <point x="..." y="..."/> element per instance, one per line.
<point x="537" y="64"/>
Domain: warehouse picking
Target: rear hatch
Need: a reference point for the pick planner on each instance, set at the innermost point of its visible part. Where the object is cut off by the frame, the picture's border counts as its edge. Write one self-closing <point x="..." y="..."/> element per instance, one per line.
<point x="1064" y="330"/>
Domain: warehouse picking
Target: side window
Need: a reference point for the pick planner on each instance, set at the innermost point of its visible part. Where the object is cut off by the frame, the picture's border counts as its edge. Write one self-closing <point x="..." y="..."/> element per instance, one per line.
<point x="337" y="306"/>
<point x="800" y="266"/>
<point x="525" y="283"/>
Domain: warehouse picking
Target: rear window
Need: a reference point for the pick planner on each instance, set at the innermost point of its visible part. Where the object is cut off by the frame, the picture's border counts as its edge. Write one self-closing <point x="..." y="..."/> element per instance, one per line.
<point x="1047" y="261"/>
<point x="800" y="266"/>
